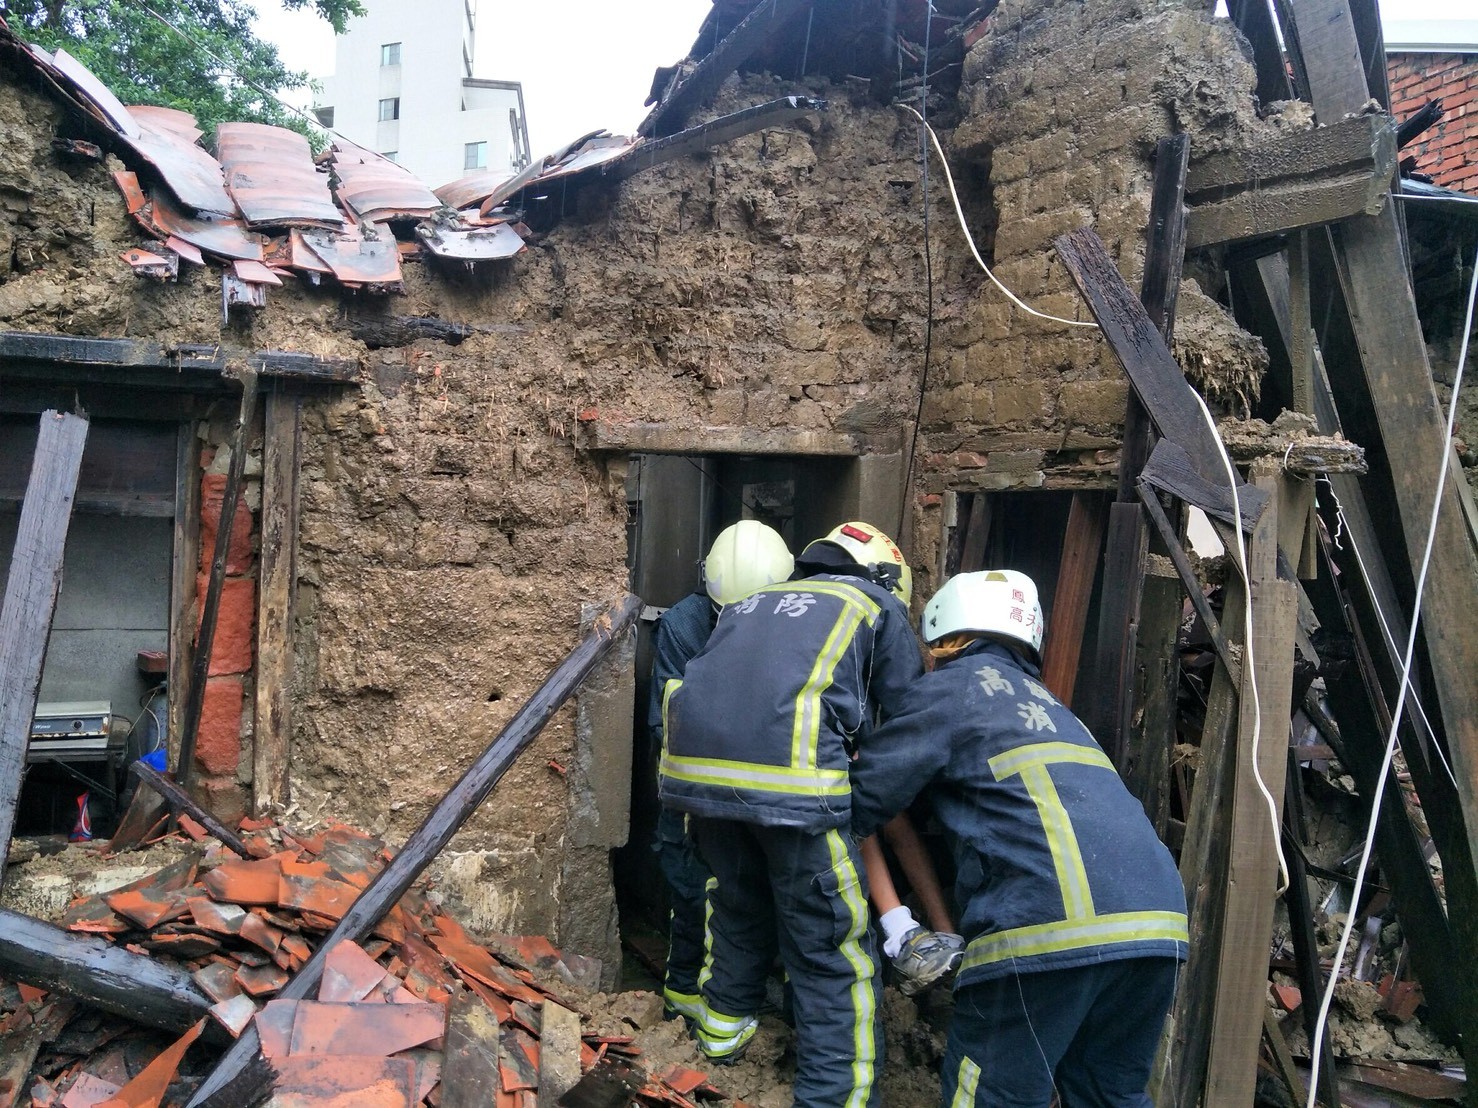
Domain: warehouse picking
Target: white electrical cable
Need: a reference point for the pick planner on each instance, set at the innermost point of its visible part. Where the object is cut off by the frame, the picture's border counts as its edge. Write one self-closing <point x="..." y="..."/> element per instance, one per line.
<point x="1249" y="672"/>
<point x="1436" y="199"/>
<point x="970" y="239"/>
<point x="1385" y="627"/>
<point x="1385" y="769"/>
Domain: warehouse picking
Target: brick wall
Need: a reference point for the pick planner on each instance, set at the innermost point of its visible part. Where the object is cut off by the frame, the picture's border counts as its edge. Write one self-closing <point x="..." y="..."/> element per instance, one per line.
<point x="1448" y="152"/>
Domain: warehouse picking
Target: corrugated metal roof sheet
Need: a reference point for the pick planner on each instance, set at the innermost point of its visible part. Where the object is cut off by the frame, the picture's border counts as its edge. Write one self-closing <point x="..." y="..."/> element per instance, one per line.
<point x="270" y="174"/>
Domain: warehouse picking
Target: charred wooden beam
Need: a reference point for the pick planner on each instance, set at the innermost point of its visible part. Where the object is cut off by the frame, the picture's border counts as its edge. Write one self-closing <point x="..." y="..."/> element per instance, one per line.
<point x="96" y="972"/>
<point x="1298" y="180"/>
<point x="1419" y="123"/>
<point x="1254" y="18"/>
<point x="688" y="93"/>
<point x="30" y="597"/>
<point x="1170" y="470"/>
<point x="378" y="332"/>
<point x="725" y="128"/>
<point x="178" y="800"/>
<point x="25" y="355"/>
<point x="435" y="832"/>
<point x="211" y="606"/>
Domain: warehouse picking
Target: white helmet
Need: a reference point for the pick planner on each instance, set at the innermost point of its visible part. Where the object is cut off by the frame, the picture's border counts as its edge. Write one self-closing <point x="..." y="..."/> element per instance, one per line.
<point x="869" y="548"/>
<point x="996" y="601"/>
<point x="746" y="556"/>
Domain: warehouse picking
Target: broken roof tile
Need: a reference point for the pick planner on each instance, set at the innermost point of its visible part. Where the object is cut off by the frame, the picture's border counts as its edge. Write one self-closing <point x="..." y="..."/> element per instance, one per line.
<point x="257" y="274"/>
<point x="85" y="82"/>
<point x="90" y="915"/>
<point x="166" y="140"/>
<point x="234" y="1013"/>
<point x="370" y="1029"/>
<point x="186" y="250"/>
<point x="270" y="174"/>
<point x="257" y="931"/>
<point x="223" y="918"/>
<point x="472" y="189"/>
<point x="262" y="980"/>
<point x="223" y="236"/>
<point x="375" y="188"/>
<point x="470" y="244"/>
<point x="518" y="1060"/>
<point x="318" y="895"/>
<point x="253" y="882"/>
<point x="218" y="981"/>
<point x="357" y="260"/>
<point x="349" y="974"/>
<point x="275" y="1027"/>
<point x="344" y="1081"/>
<point x="87" y="1091"/>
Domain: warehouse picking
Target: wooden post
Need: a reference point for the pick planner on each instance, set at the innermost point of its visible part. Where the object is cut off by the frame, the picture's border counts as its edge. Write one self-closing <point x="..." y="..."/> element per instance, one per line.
<point x="1241" y="986"/>
<point x="469" y="1068"/>
<point x="200" y="664"/>
<point x="277" y="574"/>
<point x="184" y="568"/>
<point x="94" y="971"/>
<point x="1075" y="573"/>
<point x="30" y="597"/>
<point x="220" y="1089"/>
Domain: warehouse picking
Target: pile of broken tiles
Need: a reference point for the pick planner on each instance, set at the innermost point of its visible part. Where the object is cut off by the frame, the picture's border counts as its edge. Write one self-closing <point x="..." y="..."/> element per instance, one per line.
<point x="397" y="1019"/>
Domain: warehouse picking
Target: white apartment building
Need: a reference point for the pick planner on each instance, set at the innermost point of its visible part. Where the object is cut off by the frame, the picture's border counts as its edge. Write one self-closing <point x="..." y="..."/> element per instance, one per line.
<point x="403" y="86"/>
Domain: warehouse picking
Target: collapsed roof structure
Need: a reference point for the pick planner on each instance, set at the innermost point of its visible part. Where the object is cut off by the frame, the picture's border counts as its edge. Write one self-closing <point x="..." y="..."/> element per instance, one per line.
<point x="411" y="436"/>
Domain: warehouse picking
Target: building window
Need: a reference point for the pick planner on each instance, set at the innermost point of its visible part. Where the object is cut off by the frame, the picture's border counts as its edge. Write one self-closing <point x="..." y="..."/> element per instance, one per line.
<point x="390" y="109"/>
<point x="390" y="53"/>
<point x="476" y="156"/>
<point x="391" y="155"/>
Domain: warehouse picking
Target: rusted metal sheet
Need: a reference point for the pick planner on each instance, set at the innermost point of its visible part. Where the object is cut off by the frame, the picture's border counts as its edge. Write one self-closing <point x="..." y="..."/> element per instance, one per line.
<point x="356" y="260"/>
<point x="226" y="238"/>
<point x="376" y="189"/>
<point x="166" y="140"/>
<point x="270" y="174"/>
<point x="470" y="244"/>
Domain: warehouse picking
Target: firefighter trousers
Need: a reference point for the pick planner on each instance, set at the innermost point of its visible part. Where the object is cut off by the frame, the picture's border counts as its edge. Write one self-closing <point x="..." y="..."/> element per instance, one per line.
<point x="687" y="878"/>
<point x="804" y="895"/>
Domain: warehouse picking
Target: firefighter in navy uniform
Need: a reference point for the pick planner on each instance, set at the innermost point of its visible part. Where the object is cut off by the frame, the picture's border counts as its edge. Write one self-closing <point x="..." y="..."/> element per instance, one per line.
<point x="1071" y="907"/>
<point x="745" y="556"/>
<point x="760" y="734"/>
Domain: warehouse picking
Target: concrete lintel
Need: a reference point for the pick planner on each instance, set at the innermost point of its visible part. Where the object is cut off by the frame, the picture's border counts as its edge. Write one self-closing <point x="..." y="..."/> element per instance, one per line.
<point x="666" y="438"/>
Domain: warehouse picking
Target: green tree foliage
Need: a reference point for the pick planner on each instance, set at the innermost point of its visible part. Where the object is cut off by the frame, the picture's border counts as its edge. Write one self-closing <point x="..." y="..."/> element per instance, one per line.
<point x="201" y="56"/>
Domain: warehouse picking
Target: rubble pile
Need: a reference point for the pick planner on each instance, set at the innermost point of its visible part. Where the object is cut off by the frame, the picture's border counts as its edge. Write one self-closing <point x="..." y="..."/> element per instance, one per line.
<point x="419" y="1003"/>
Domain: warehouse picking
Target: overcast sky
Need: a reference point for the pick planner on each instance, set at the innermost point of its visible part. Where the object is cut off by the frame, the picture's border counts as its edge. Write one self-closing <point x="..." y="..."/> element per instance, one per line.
<point x="586" y="64"/>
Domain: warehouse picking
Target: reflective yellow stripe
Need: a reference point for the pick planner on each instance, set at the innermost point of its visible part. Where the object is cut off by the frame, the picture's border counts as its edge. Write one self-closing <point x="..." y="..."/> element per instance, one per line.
<point x="966" y="1082"/>
<point x="864" y="1013"/>
<point x="1037" y="754"/>
<point x="1051" y="938"/>
<point x="806" y="730"/>
<point x="706" y="973"/>
<point x="673" y="684"/>
<point x="1067" y="858"/>
<point x="1032" y="763"/>
<point x="751" y="775"/>
<point x="684" y="1004"/>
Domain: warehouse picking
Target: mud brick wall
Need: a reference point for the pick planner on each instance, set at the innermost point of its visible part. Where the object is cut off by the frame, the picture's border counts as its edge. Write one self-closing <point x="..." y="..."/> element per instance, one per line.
<point x="1062" y="105"/>
<point x="1448" y="152"/>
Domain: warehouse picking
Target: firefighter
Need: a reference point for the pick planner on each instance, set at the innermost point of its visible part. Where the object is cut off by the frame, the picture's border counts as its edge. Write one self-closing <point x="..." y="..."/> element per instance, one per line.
<point x="760" y="734"/>
<point x="745" y="556"/>
<point x="1071" y="907"/>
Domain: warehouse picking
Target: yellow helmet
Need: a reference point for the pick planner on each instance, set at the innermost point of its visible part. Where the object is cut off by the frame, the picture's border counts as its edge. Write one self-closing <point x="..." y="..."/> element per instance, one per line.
<point x="746" y="556"/>
<point x="871" y="549"/>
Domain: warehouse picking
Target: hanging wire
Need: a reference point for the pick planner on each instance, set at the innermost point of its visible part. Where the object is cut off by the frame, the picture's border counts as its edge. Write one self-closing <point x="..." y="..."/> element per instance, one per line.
<point x="918" y="415"/>
<point x="1380" y="785"/>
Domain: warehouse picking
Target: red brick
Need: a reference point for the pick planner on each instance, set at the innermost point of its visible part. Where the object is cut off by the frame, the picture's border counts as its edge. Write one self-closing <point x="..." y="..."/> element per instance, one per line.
<point x="233" y="647"/>
<point x="238" y="554"/>
<point x="218" y="741"/>
<point x="226" y="800"/>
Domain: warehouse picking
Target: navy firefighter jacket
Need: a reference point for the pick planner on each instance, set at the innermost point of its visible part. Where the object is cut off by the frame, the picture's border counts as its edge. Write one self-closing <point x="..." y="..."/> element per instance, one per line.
<point x="760" y="726"/>
<point x="1057" y="864"/>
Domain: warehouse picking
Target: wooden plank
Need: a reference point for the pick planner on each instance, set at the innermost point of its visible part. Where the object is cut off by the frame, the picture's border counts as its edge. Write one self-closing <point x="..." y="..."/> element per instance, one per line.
<point x="1164" y="249"/>
<point x="1107" y="713"/>
<point x="428" y="840"/>
<point x="469" y="1068"/>
<point x="93" y="970"/>
<point x="1273" y="1032"/>
<point x="276" y="591"/>
<point x="1242" y="975"/>
<point x="183" y="571"/>
<point x="30" y="597"/>
<point x="559" y="1052"/>
<point x="1376" y="287"/>
<point x="1181" y="562"/>
<point x="1362" y="143"/>
<point x="1255" y="20"/>
<point x="1147" y="752"/>
<point x="726" y="128"/>
<point x="178" y="800"/>
<point x="210" y="608"/>
<point x="1291" y="206"/>
<point x="1075" y="573"/>
<point x="195" y="364"/>
<point x="977" y="530"/>
<point x="1141" y="350"/>
<point x="699" y="85"/>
